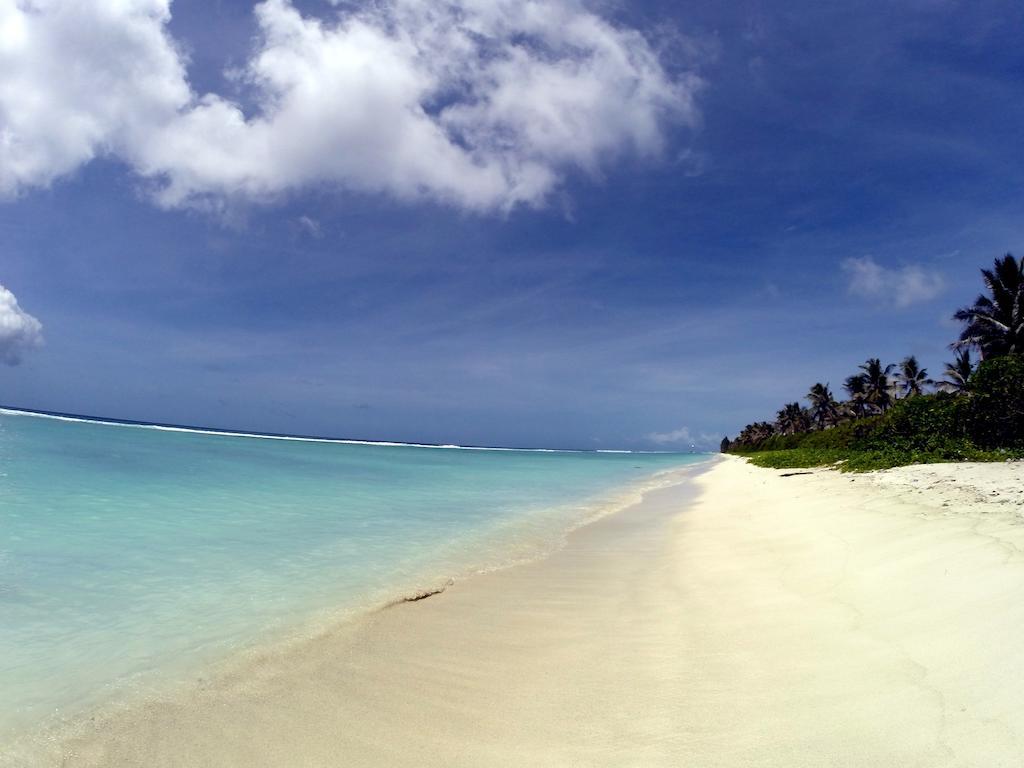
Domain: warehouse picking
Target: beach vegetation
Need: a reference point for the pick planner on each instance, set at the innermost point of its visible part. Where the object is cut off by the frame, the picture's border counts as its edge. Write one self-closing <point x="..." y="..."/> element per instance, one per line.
<point x="912" y="379"/>
<point x="824" y="410"/>
<point x="792" y="420"/>
<point x="994" y="324"/>
<point x="878" y="387"/>
<point x="996" y="406"/>
<point x="857" y="405"/>
<point x="958" y="372"/>
<point x="896" y="415"/>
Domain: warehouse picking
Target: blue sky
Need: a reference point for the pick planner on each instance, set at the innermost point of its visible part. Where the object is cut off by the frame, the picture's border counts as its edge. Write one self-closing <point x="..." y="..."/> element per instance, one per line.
<point x="701" y="211"/>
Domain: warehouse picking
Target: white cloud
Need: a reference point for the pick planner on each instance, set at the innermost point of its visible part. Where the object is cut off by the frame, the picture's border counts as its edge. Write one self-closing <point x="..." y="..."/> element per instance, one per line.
<point x="483" y="104"/>
<point x="309" y="226"/>
<point x="902" y="287"/>
<point x="81" y="79"/>
<point x="681" y="435"/>
<point x="19" y="331"/>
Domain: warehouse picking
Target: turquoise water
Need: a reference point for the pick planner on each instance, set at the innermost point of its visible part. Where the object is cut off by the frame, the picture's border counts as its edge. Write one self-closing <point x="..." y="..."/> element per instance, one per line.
<point x="130" y="556"/>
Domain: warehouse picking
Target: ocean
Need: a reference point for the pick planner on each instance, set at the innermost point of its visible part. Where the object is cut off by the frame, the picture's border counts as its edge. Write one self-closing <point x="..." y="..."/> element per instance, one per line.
<point x="133" y="556"/>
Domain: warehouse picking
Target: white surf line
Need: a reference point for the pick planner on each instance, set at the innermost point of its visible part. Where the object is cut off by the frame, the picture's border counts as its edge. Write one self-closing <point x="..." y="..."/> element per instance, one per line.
<point x="296" y="438"/>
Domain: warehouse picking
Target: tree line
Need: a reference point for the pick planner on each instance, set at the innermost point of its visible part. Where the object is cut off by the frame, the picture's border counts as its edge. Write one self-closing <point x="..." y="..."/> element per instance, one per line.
<point x="993" y="327"/>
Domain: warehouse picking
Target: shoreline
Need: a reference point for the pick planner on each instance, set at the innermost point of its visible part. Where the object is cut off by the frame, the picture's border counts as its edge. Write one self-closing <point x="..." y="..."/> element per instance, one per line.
<point x="157" y="688"/>
<point x="254" y="679"/>
<point x="748" y="618"/>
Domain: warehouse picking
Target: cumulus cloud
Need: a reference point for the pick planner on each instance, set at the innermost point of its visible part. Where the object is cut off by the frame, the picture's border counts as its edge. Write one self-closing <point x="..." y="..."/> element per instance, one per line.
<point x="902" y="287"/>
<point x="483" y="104"/>
<point x="81" y="78"/>
<point x="19" y="331"/>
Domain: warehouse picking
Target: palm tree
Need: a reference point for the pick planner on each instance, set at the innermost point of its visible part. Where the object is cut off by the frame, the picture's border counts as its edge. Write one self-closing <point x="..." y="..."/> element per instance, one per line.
<point x="792" y="419"/>
<point x="958" y="372"/>
<point x="877" y="392"/>
<point x="854" y="386"/>
<point x="755" y="434"/>
<point x="995" y="324"/>
<point x="824" y="409"/>
<point x="912" y="378"/>
<point x="784" y="420"/>
<point x="763" y="430"/>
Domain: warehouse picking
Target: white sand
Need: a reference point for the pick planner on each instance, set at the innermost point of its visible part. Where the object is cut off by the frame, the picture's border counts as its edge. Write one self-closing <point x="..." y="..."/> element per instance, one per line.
<point x="811" y="620"/>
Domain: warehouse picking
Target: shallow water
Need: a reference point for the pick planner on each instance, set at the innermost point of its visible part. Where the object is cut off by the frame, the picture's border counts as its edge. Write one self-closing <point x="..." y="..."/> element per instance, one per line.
<point x="130" y="556"/>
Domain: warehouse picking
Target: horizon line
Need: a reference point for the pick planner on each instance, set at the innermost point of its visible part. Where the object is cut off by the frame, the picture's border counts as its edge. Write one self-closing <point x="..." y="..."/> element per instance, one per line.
<point x="255" y="434"/>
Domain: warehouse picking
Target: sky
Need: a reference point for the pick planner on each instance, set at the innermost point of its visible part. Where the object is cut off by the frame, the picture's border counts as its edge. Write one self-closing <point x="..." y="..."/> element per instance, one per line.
<point x="599" y="225"/>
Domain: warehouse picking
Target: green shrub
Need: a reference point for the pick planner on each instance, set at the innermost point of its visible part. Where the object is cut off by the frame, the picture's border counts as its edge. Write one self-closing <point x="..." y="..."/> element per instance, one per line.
<point x="926" y="427"/>
<point x="846" y="436"/>
<point x="995" y="418"/>
<point x="792" y="458"/>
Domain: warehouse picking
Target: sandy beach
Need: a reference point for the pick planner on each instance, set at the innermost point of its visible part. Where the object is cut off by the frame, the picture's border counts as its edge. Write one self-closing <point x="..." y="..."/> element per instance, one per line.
<point x="746" y="618"/>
